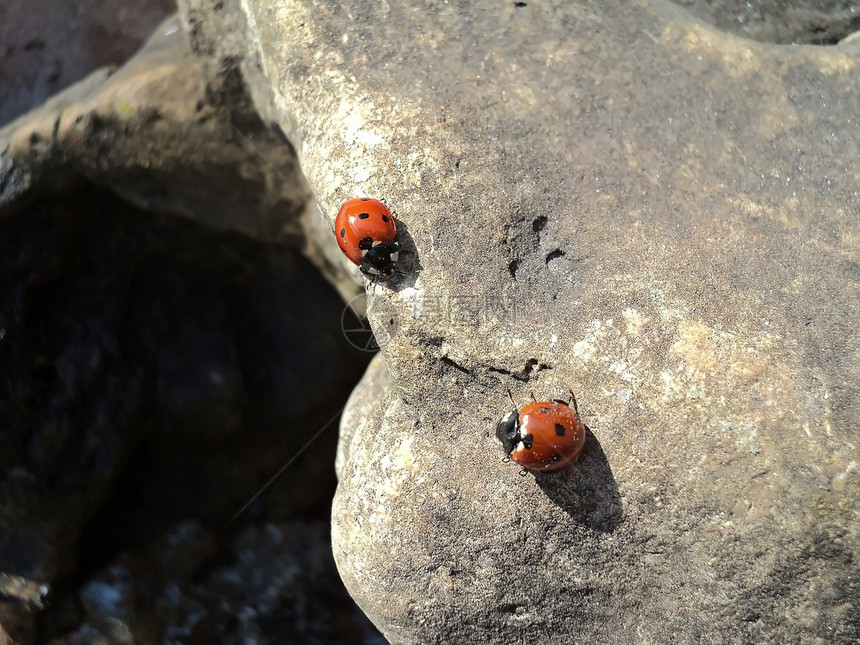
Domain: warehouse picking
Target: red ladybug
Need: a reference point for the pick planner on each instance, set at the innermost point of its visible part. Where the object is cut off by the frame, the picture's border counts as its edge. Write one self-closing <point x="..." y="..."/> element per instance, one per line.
<point x="366" y="234"/>
<point x="543" y="436"/>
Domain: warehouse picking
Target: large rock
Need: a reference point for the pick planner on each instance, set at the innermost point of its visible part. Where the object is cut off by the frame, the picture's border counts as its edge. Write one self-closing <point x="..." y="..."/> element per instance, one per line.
<point x="616" y="200"/>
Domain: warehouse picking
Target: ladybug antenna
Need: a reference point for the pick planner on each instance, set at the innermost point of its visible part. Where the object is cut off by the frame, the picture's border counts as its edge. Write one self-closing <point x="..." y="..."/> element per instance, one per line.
<point x="572" y="399"/>
<point x="511" y="397"/>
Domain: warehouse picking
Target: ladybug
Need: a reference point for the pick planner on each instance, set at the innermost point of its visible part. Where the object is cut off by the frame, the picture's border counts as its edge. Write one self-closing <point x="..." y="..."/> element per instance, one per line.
<point x="543" y="436"/>
<point x="366" y="234"/>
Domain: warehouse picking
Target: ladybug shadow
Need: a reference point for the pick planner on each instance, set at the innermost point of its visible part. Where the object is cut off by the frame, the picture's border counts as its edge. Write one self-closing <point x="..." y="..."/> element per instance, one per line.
<point x="409" y="265"/>
<point x="586" y="490"/>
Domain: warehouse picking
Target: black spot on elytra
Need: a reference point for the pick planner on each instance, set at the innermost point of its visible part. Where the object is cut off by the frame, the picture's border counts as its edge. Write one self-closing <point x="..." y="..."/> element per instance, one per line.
<point x="342" y="232"/>
<point x="528" y="440"/>
<point x="559" y="429"/>
<point x="385" y="218"/>
<point x="366" y="243"/>
<point x="363" y="215"/>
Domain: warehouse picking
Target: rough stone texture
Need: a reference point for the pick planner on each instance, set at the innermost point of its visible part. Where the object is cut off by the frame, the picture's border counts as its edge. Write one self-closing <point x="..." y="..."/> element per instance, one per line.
<point x="177" y="133"/>
<point x="611" y="198"/>
<point x="362" y="403"/>
<point x="49" y="44"/>
<point x="617" y="199"/>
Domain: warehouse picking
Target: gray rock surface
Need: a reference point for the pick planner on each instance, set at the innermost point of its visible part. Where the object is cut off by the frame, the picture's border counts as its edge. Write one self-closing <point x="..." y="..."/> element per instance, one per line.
<point x="174" y="131"/>
<point x="619" y="200"/>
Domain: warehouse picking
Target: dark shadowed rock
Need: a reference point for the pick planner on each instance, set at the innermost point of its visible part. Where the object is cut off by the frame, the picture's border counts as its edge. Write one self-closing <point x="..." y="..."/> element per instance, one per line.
<point x="272" y="583"/>
<point x="154" y="370"/>
<point x="813" y="22"/>
<point x="175" y="132"/>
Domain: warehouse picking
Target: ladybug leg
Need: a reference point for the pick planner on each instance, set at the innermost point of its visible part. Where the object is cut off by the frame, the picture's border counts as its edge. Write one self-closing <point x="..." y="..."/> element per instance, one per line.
<point x="383" y="200"/>
<point x="534" y="400"/>
<point x="572" y="399"/>
<point x="368" y="269"/>
<point x="373" y="282"/>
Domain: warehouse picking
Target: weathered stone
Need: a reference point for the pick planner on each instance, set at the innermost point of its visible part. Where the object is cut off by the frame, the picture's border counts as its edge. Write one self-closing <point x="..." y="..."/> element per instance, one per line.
<point x="363" y="403"/>
<point x="175" y="132"/>
<point x="165" y="136"/>
<point x="619" y="201"/>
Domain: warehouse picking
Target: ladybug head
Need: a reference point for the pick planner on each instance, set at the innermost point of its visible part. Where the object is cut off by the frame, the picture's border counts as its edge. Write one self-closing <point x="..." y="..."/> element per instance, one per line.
<point x="380" y="259"/>
<point x="508" y="431"/>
